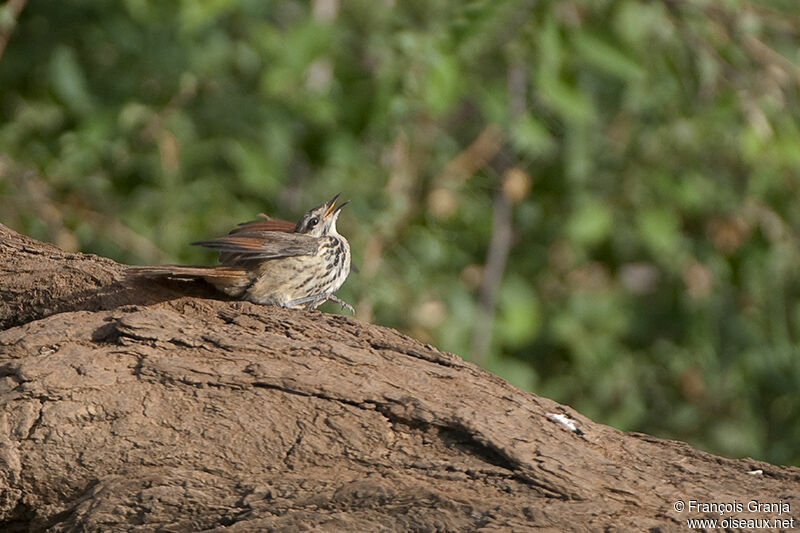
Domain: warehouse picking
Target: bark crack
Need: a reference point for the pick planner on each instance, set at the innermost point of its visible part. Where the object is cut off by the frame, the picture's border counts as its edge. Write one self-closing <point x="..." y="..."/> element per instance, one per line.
<point x="439" y="358"/>
<point x="37" y="423"/>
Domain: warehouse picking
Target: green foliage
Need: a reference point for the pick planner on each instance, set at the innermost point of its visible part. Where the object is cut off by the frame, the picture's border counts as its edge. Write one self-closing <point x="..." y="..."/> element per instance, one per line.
<point x="652" y="280"/>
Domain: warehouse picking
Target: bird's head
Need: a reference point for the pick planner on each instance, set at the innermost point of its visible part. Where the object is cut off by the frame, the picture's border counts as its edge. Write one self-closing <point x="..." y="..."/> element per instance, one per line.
<point x="321" y="220"/>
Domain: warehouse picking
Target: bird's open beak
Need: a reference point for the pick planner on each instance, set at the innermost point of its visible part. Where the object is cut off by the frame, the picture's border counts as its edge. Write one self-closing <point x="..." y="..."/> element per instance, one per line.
<point x="332" y="207"/>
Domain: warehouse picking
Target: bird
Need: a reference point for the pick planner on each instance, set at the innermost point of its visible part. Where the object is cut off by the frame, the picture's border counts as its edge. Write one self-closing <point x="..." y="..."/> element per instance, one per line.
<point x="272" y="261"/>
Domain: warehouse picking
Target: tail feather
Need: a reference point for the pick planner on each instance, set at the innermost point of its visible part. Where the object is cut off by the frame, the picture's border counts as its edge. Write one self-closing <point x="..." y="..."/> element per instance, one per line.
<point x="208" y="273"/>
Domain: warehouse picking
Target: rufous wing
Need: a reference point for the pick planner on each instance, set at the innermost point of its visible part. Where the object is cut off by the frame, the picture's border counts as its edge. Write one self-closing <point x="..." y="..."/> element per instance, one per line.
<point x="261" y="245"/>
<point x="265" y="223"/>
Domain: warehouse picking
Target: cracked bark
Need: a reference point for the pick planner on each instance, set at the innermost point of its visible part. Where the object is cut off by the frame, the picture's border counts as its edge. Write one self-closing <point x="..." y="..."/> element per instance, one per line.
<point x="144" y="406"/>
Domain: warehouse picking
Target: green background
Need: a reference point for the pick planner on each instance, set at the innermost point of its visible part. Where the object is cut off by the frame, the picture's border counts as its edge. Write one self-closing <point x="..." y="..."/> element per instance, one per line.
<point x="597" y="199"/>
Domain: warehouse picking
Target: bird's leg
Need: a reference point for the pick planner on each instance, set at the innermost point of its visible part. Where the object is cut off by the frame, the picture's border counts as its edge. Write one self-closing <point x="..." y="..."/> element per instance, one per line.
<point x="341" y="302"/>
<point x="320" y="298"/>
<point x="308" y="299"/>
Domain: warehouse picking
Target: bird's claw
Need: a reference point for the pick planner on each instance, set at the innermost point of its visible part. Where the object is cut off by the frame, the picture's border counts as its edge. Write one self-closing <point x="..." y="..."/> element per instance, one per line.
<point x="314" y="301"/>
<point x="341" y="302"/>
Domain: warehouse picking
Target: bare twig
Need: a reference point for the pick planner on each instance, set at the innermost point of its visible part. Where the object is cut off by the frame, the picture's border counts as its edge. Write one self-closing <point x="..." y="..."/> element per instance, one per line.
<point x="473" y="158"/>
<point x="766" y="55"/>
<point x="502" y="231"/>
<point x="499" y="247"/>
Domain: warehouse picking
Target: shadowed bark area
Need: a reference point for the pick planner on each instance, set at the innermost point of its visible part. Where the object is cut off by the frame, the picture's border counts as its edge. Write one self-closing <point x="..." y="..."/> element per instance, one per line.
<point x="134" y="407"/>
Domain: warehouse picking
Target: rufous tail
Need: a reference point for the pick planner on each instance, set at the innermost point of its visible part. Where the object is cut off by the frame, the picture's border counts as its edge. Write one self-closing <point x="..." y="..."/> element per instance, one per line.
<point x="209" y="273"/>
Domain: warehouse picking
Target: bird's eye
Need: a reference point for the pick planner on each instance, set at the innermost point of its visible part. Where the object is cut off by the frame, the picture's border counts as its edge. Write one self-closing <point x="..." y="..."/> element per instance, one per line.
<point x="313" y="222"/>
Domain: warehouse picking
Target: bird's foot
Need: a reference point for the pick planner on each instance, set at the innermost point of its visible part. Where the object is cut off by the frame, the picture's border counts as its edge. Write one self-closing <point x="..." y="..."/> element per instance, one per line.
<point x="312" y="302"/>
<point x="341" y="302"/>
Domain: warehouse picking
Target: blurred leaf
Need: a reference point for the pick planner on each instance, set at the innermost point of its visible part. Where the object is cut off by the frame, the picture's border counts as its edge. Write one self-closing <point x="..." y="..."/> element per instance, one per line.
<point x="660" y="231"/>
<point x="590" y="224"/>
<point x="519" y="317"/>
<point x="442" y="81"/>
<point x="606" y="57"/>
<point x="68" y="81"/>
<point x="566" y="100"/>
<point x="531" y="136"/>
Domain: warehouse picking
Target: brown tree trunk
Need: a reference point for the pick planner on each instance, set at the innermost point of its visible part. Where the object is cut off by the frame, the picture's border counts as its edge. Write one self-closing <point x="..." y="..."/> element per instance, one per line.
<point x="134" y="407"/>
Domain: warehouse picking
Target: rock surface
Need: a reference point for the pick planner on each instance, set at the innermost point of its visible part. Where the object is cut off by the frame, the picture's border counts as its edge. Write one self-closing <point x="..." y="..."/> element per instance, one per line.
<point x="142" y="406"/>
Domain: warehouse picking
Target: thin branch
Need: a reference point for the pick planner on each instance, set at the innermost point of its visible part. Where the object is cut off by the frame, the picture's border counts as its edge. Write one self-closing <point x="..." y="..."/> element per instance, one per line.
<point x="473" y="158"/>
<point x="502" y="229"/>
<point x="499" y="247"/>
